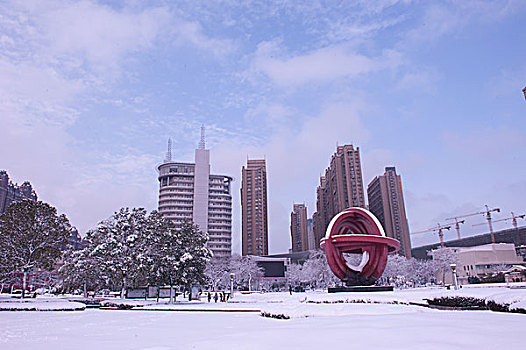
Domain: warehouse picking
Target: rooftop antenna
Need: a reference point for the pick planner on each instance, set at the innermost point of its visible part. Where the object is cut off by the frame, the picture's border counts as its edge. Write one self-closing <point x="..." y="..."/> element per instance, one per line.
<point x="169" y="152"/>
<point x="202" y="141"/>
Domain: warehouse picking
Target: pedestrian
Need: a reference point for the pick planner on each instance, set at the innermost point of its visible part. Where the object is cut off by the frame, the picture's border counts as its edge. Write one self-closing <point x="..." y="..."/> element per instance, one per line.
<point x="290" y="289"/>
<point x="209" y="296"/>
<point x="215" y="297"/>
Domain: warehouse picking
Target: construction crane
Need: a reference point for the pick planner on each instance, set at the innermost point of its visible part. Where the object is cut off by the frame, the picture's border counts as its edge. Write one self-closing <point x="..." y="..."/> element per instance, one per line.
<point x="437" y="229"/>
<point x="457" y="225"/>
<point x="513" y="219"/>
<point x="487" y="213"/>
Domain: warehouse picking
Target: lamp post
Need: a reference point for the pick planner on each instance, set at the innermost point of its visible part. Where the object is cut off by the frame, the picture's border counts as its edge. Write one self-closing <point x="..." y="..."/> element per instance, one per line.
<point x="454" y="270"/>
<point x="232" y="275"/>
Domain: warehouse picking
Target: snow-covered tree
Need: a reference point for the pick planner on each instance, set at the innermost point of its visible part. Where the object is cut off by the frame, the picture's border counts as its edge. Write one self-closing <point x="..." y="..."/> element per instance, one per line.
<point x="218" y="272"/>
<point x="133" y="248"/>
<point x="401" y="272"/>
<point x="193" y="254"/>
<point x="295" y="274"/>
<point x="442" y="259"/>
<point x="31" y="234"/>
<point x="317" y="272"/>
<point x="171" y="249"/>
<point x="79" y="270"/>
<point x="246" y="270"/>
<point x="120" y="245"/>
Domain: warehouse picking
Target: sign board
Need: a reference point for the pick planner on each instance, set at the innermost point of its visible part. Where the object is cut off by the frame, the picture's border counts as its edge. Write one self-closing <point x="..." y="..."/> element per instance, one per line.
<point x="195" y="292"/>
<point x="165" y="292"/>
<point x="133" y="293"/>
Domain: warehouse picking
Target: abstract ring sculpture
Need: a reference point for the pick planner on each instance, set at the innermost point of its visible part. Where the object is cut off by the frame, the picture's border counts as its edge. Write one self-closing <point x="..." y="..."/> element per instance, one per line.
<point x="357" y="231"/>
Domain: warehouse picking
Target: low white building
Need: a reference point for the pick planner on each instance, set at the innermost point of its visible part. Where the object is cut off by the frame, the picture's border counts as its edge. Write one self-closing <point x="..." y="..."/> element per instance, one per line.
<point x="483" y="260"/>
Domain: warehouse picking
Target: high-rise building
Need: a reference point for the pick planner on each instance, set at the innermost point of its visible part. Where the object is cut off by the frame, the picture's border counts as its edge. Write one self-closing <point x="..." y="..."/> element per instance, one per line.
<point x="10" y="192"/>
<point x="386" y="202"/>
<point x="341" y="187"/>
<point x="254" y="221"/>
<point x="298" y="228"/>
<point x="310" y="234"/>
<point x="187" y="191"/>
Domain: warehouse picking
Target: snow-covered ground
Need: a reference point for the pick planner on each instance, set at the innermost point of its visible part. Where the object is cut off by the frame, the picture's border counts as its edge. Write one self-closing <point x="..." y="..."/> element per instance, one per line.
<point x="381" y="320"/>
<point x="39" y="304"/>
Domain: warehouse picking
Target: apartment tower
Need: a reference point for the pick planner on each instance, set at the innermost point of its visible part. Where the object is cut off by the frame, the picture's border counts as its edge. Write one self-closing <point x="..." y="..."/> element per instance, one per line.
<point x="341" y="187"/>
<point x="10" y="192"/>
<point x="254" y="223"/>
<point x="298" y="228"/>
<point x="188" y="191"/>
<point x="386" y="202"/>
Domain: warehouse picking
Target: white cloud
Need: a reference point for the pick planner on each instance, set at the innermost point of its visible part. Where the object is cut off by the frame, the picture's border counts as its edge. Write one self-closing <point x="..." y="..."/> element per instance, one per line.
<point x="419" y="80"/>
<point x="96" y="33"/>
<point x="447" y="18"/>
<point x="320" y="66"/>
<point x="192" y="32"/>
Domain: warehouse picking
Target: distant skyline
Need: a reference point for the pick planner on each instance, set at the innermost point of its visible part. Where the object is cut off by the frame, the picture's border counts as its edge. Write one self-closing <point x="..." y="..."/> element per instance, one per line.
<point x="90" y="92"/>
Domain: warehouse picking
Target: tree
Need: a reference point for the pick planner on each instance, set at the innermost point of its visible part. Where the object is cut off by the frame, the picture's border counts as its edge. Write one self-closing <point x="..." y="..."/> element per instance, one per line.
<point x="135" y="248"/>
<point x="193" y="254"/>
<point x="295" y="274"/>
<point x="31" y="234"/>
<point x="402" y="272"/>
<point x="442" y="259"/>
<point x="218" y="272"/>
<point x="81" y="271"/>
<point x="246" y="270"/>
<point x="167" y="250"/>
<point x="120" y="246"/>
<point x="317" y="272"/>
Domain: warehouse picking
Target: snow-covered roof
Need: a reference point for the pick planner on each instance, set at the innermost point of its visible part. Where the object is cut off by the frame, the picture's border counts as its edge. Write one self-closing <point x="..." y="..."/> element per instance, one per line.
<point x="488" y="247"/>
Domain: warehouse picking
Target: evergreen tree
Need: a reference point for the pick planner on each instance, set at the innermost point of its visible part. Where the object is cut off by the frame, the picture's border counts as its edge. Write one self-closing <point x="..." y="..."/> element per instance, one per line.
<point x="166" y="251"/>
<point x="31" y="235"/>
<point x="121" y="247"/>
<point x="193" y="255"/>
<point x="80" y="271"/>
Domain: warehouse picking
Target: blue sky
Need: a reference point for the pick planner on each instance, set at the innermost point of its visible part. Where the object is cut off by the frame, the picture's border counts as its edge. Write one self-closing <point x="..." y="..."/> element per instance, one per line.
<point x="90" y="92"/>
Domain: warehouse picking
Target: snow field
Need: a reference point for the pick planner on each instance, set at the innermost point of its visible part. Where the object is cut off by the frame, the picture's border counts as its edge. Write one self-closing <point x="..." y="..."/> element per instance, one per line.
<point x="39" y="304"/>
<point x="368" y="326"/>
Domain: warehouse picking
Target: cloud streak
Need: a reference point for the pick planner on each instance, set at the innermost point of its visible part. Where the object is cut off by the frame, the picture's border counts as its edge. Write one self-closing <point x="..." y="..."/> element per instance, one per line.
<point x="320" y="66"/>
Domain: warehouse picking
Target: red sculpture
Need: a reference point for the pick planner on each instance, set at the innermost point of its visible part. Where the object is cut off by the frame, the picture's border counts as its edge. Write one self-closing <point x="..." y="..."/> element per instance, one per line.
<point x="357" y="231"/>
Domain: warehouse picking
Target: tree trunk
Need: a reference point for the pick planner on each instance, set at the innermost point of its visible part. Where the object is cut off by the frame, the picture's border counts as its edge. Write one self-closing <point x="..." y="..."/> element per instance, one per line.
<point x="24" y="284"/>
<point x="85" y="289"/>
<point x="171" y="294"/>
<point x="123" y="290"/>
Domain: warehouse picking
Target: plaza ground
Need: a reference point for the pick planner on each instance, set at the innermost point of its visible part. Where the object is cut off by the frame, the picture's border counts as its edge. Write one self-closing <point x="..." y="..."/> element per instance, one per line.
<point x="312" y="325"/>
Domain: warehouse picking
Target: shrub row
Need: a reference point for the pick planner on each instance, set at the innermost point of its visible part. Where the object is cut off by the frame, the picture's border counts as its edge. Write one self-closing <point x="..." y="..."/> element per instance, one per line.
<point x="355" y="301"/>
<point x="471" y="303"/>
<point x="278" y="316"/>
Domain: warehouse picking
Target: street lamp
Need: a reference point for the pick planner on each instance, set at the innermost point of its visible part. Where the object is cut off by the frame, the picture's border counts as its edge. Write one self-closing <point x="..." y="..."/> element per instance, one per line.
<point x="232" y="275"/>
<point x="454" y="270"/>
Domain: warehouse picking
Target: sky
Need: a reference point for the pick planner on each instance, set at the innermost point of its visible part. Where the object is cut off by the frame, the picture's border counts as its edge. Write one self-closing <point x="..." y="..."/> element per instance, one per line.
<point x="90" y="92"/>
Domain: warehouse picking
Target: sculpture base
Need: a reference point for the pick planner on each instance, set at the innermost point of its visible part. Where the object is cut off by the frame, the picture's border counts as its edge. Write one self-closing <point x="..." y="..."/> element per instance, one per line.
<point x="361" y="289"/>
